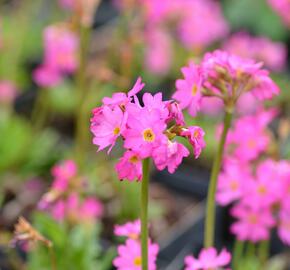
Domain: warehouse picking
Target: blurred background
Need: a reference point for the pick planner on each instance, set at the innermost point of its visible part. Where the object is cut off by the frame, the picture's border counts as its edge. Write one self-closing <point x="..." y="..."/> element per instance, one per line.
<point x="105" y="45"/>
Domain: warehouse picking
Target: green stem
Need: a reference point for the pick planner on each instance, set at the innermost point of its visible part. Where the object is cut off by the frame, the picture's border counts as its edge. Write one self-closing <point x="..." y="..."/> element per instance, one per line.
<point x="40" y="110"/>
<point x="263" y="251"/>
<point x="81" y="92"/>
<point x="210" y="207"/>
<point x="251" y="250"/>
<point x="238" y="253"/>
<point x="52" y="258"/>
<point x="144" y="213"/>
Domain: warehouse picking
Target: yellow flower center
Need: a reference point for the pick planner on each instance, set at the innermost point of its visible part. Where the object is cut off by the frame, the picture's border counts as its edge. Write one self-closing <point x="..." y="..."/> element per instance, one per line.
<point x="137" y="261"/>
<point x="194" y="90"/>
<point x="116" y="130"/>
<point x="253" y="219"/>
<point x="148" y="135"/>
<point x="133" y="159"/>
<point x="262" y="190"/>
<point x="133" y="236"/>
<point x="234" y="185"/>
<point x="252" y="143"/>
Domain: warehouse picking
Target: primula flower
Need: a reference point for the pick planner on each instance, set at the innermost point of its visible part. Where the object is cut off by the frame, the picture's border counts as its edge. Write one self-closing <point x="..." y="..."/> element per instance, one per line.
<point x="122" y="99"/>
<point x="253" y="224"/>
<point x="144" y="133"/>
<point x="130" y="229"/>
<point x="148" y="131"/>
<point x="231" y="181"/>
<point x="208" y="259"/>
<point x="273" y="55"/>
<point x="249" y="138"/>
<point x="264" y="190"/>
<point x="130" y="166"/>
<point x="195" y="136"/>
<point x="107" y="125"/>
<point x="225" y="76"/>
<point x="169" y="155"/>
<point x="90" y="209"/>
<point x="188" y="92"/>
<point x="129" y="256"/>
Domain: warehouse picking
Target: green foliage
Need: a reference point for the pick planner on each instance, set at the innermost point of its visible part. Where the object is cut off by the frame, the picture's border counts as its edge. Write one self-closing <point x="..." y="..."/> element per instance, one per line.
<point x="74" y="247"/>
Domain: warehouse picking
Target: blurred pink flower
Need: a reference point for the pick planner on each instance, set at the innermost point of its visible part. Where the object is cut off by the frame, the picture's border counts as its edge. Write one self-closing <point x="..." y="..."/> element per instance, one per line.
<point x="129" y="256"/>
<point x="212" y="106"/>
<point x="201" y="24"/>
<point x="130" y="229"/>
<point x="45" y="76"/>
<point x="58" y="210"/>
<point x="282" y="7"/>
<point x="90" y="209"/>
<point x="158" y="52"/>
<point x="252" y="224"/>
<point x="208" y="259"/>
<point x="232" y="181"/>
<point x="8" y="92"/>
<point x="67" y="4"/>
<point x="188" y="92"/>
<point x="129" y="166"/>
<point x="284" y="227"/>
<point x="61" y="49"/>
<point x="272" y="54"/>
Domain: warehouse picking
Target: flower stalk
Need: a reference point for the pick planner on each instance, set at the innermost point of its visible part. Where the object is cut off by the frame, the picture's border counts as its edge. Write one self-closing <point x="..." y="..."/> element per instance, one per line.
<point x="210" y="206"/>
<point x="144" y="213"/>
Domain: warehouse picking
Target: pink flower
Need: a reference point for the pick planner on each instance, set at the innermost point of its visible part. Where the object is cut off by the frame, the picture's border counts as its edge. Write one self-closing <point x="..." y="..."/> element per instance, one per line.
<point x="122" y="99"/>
<point x="144" y="132"/>
<point x="208" y="259"/>
<point x="282" y="7"/>
<point x="175" y="113"/>
<point x="67" y="4"/>
<point x="130" y="229"/>
<point x="195" y="136"/>
<point x="158" y="53"/>
<point x="90" y="209"/>
<point x="231" y="181"/>
<point x="60" y="49"/>
<point x="284" y="227"/>
<point x="212" y="106"/>
<point x="129" y="166"/>
<point x="129" y="256"/>
<point x="8" y="92"/>
<point x="188" y="92"/>
<point x="46" y="76"/>
<point x="263" y="191"/>
<point x="248" y="138"/>
<point x="169" y="155"/>
<point x="273" y="54"/>
<point x="58" y="210"/>
<point x="107" y="125"/>
<point x="201" y="23"/>
<point x="253" y="224"/>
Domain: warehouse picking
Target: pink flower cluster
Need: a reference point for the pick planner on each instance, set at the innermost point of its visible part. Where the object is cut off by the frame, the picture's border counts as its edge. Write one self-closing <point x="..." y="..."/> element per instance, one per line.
<point x="129" y="254"/>
<point x="282" y="7"/>
<point x="272" y="54"/>
<point x="61" y="47"/>
<point x="8" y="92"/>
<point x="225" y="76"/>
<point x="147" y="131"/>
<point x="249" y="137"/>
<point x="196" y="24"/>
<point x="208" y="259"/>
<point x="258" y="187"/>
<point x="64" y="201"/>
